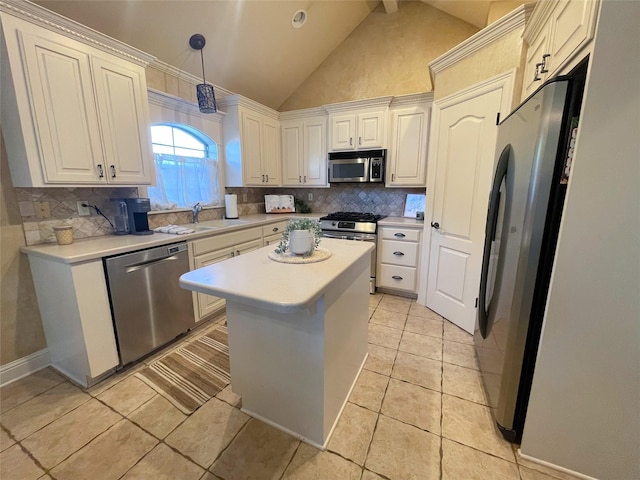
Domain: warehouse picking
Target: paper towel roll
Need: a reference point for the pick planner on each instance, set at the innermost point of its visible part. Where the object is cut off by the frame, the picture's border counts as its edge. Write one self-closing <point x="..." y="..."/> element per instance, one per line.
<point x="231" y="206"/>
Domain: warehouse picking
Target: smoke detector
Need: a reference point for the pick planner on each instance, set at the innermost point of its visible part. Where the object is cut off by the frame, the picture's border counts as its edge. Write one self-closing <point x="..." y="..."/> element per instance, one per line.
<point x="299" y="19"/>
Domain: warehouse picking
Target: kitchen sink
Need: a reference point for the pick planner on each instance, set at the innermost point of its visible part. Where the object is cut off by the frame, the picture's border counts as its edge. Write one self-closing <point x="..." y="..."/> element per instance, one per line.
<point x="202" y="228"/>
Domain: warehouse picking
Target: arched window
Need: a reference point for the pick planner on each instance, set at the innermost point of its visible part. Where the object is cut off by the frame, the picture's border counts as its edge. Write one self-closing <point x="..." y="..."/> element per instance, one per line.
<point x="186" y="168"/>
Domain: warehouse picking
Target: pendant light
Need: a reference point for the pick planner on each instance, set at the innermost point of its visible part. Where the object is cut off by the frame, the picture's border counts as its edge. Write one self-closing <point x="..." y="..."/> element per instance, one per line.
<point x="204" y="90"/>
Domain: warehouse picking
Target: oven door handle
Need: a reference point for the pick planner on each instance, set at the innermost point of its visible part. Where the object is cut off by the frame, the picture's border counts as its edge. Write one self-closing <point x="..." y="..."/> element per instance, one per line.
<point x="330" y="235"/>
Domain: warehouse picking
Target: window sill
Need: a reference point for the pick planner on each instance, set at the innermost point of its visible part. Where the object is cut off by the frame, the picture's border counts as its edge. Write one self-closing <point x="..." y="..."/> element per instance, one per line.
<point x="177" y="210"/>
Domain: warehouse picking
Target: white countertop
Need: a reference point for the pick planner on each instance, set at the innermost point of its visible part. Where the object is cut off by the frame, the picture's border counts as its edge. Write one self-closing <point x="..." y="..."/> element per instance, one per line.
<point x="401" y="222"/>
<point x="82" y="250"/>
<point x="254" y="279"/>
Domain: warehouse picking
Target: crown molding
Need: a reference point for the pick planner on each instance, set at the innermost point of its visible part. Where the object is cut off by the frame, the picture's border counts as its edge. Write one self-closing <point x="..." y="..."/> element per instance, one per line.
<point x="44" y="18"/>
<point x="368" y="102"/>
<point x="240" y="101"/>
<point x="412" y="99"/>
<point x="538" y="19"/>
<point x="510" y="22"/>
<point x="303" y="113"/>
<point x="162" y="99"/>
<point x="181" y="74"/>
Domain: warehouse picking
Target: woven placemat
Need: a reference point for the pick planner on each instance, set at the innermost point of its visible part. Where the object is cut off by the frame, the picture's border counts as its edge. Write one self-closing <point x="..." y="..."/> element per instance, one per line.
<point x="318" y="255"/>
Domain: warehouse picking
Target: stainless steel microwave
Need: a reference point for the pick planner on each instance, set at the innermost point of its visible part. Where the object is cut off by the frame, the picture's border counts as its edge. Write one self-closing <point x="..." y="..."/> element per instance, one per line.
<point x="357" y="167"/>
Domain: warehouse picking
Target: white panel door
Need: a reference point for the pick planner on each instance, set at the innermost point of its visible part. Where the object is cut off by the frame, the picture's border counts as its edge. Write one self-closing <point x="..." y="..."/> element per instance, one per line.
<point x="466" y="141"/>
<point x="271" y="152"/>
<point x="292" y="154"/>
<point x="251" y="149"/>
<point x="315" y="152"/>
<point x="343" y="129"/>
<point x="370" y="130"/>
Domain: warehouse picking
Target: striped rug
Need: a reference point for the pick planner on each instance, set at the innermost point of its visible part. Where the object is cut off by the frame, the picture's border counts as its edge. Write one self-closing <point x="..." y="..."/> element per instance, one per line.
<point x="194" y="373"/>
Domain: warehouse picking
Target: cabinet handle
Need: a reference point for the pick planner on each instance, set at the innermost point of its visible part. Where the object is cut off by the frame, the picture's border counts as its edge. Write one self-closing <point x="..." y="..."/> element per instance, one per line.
<point x="305" y="179"/>
<point x="267" y="178"/>
<point x="435" y="225"/>
<point x="275" y="229"/>
<point x="400" y="254"/>
<point x="233" y="254"/>
<point x="544" y="63"/>
<point x="238" y="252"/>
<point x="359" y="140"/>
<point x="100" y="171"/>
<point x="399" y="235"/>
<point x="299" y="178"/>
<point x="393" y="177"/>
<point x="397" y="277"/>
<point x="113" y="171"/>
<point x="536" y="74"/>
<point x="350" y="141"/>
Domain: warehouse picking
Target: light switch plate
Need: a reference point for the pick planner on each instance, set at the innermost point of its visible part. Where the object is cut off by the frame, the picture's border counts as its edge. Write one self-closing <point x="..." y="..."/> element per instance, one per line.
<point x="310" y="197"/>
<point x="83" y="211"/>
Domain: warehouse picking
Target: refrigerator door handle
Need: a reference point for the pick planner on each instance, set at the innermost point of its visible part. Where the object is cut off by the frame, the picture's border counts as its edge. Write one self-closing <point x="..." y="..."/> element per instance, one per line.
<point x="490" y="232"/>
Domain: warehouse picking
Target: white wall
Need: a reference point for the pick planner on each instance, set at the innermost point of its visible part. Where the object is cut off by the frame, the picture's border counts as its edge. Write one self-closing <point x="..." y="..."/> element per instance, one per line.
<point x="584" y="411"/>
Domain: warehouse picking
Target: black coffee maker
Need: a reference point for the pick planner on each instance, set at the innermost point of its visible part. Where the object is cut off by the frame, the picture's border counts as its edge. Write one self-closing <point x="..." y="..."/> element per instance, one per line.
<point x="137" y="209"/>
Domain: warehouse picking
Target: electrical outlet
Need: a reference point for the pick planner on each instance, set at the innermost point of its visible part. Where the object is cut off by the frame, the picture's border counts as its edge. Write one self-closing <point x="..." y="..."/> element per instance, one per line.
<point x="83" y="211"/>
<point x="310" y="197"/>
<point x="244" y="198"/>
<point x="42" y="209"/>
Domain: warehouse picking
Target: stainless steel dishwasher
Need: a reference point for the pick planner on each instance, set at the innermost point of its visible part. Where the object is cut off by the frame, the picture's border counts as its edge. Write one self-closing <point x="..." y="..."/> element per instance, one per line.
<point x="148" y="306"/>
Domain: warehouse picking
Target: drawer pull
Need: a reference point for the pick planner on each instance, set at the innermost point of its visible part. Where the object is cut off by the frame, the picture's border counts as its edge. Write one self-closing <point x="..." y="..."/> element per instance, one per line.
<point x="275" y="229"/>
<point x="113" y="171"/>
<point x="398" y="253"/>
<point x="397" y="277"/>
<point x="399" y="235"/>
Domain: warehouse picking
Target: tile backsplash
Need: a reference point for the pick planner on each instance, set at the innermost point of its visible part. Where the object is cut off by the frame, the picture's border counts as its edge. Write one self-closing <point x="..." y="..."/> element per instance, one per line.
<point x="43" y="208"/>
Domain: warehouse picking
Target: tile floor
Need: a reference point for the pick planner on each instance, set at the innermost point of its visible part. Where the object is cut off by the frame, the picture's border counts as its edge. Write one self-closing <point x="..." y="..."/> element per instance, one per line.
<point x="418" y="411"/>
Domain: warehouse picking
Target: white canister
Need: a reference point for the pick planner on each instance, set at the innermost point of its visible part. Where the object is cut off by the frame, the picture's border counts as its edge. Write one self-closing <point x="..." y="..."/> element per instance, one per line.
<point x="301" y="241"/>
<point x="231" y="206"/>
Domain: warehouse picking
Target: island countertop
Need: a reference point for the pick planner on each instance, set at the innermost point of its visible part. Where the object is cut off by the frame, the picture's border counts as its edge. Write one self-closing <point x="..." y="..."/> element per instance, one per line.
<point x="256" y="280"/>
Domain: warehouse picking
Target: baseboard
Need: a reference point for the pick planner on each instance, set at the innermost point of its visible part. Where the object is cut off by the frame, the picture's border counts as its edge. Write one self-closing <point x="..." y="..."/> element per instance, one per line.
<point x="550" y="466"/>
<point x="24" y="366"/>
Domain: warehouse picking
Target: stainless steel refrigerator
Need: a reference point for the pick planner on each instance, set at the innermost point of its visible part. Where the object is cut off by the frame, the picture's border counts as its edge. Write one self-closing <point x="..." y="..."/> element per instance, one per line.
<point x="534" y="154"/>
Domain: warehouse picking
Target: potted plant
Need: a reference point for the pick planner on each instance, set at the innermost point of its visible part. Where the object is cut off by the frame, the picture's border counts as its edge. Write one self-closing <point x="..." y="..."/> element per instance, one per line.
<point x="300" y="237"/>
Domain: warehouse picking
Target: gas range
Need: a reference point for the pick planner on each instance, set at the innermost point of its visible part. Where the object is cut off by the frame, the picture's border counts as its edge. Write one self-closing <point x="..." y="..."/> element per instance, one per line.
<point x="357" y="222"/>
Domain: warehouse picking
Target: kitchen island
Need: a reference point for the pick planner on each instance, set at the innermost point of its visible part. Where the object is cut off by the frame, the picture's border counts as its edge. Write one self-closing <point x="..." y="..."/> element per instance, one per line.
<point x="297" y="333"/>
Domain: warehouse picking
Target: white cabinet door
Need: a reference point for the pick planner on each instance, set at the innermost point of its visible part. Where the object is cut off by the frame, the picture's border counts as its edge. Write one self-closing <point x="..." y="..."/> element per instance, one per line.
<point x="63" y="109"/>
<point x="533" y="77"/>
<point x="209" y="304"/>
<point x="370" y="130"/>
<point x="121" y="96"/>
<point x="315" y="152"/>
<point x="292" y="153"/>
<point x="343" y="130"/>
<point x="251" y="149"/>
<point x="407" y="153"/>
<point x="271" y="152"/>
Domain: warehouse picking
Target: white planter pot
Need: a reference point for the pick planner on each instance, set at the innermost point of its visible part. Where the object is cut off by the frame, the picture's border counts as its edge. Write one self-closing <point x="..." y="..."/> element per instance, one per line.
<point x="301" y="241"/>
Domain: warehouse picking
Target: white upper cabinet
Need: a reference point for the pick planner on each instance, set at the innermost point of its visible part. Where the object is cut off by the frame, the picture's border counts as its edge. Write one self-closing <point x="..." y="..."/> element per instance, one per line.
<point x="408" y="143"/>
<point x="358" y="125"/>
<point x="557" y="34"/>
<point x="304" y="150"/>
<point x="72" y="114"/>
<point x="252" y="143"/>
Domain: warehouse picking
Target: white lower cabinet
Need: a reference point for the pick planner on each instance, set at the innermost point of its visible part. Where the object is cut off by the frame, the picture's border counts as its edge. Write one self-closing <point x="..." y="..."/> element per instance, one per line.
<point x="399" y="257"/>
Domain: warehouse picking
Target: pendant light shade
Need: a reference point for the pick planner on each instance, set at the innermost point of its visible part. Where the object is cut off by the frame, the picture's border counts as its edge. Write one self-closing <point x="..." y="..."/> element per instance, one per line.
<point x="204" y="90"/>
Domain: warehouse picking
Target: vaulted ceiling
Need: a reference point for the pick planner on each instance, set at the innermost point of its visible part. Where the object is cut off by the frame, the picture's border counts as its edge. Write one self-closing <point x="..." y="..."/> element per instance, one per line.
<point x="251" y="46"/>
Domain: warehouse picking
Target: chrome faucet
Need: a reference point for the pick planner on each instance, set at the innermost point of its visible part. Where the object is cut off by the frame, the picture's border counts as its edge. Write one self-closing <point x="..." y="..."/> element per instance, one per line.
<point x="197" y="208"/>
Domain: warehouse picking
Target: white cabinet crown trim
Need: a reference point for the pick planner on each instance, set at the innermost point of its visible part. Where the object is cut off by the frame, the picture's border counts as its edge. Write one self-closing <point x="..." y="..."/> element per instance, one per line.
<point x="303" y="113"/>
<point x="240" y="101"/>
<point x="178" y="104"/>
<point x="358" y="104"/>
<point x="163" y="67"/>
<point x="411" y="99"/>
<point x="539" y="19"/>
<point x="44" y="18"/>
<point x="511" y="21"/>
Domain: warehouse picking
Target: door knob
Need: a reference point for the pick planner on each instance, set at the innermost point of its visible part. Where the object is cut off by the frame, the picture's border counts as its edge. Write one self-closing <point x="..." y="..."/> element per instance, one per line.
<point x="435" y="225"/>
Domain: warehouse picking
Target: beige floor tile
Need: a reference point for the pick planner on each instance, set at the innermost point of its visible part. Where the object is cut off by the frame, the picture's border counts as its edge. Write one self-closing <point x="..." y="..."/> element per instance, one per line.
<point x="309" y="463"/>
<point x="227" y="395"/>
<point x="463" y="382"/>
<point x="418" y="310"/>
<point x="127" y="395"/>
<point x="418" y="370"/>
<point x="384" y="336"/>
<point x="15" y="464"/>
<point x="28" y="387"/>
<point x="380" y="359"/>
<point x="459" y="354"/>
<point x="535" y="471"/>
<point x="34" y="414"/>
<point x="453" y="333"/>
<point x="374" y="299"/>
<point x="412" y="404"/>
<point x="109" y="456"/>
<point x="400" y="451"/>
<point x="424" y="326"/>
<point x="162" y="463"/>
<point x="460" y="461"/>
<point x="158" y="416"/>
<point x="207" y="432"/>
<point x="352" y="435"/>
<point x="395" y="304"/>
<point x="472" y="425"/>
<point x="369" y="390"/>
<point x="108" y="382"/>
<point x="369" y="475"/>
<point x="58" y="440"/>
<point x="371" y="311"/>
<point x="389" y="319"/>
<point x="5" y="440"/>
<point x="259" y="452"/>
<point x="423" y="345"/>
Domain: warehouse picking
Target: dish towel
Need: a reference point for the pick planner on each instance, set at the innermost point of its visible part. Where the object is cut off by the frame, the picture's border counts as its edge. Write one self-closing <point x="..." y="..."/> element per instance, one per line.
<point x="175" y="229"/>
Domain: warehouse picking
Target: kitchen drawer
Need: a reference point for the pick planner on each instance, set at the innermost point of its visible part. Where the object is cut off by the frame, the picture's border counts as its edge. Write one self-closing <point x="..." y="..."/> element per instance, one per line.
<point x="399" y="278"/>
<point x="216" y="242"/>
<point x="399" y="233"/>
<point x="274" y="228"/>
<point x="273" y="239"/>
<point x="399" y="253"/>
